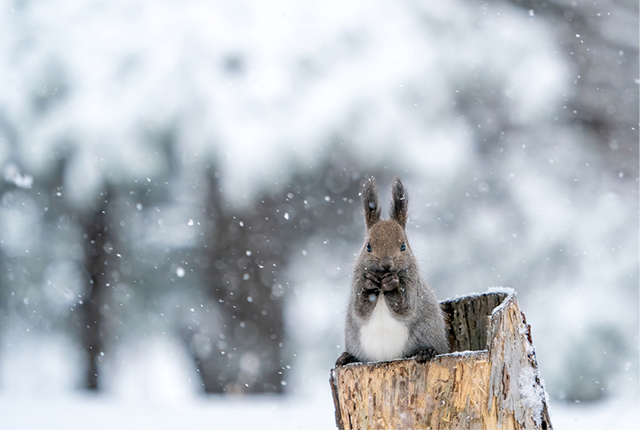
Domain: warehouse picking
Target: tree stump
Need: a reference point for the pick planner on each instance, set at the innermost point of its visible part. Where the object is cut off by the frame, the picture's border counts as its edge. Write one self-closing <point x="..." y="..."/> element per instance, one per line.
<point x="489" y="380"/>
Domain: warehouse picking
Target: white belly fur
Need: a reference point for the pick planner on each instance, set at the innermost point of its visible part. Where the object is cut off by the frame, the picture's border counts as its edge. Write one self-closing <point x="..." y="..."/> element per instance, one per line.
<point x="383" y="337"/>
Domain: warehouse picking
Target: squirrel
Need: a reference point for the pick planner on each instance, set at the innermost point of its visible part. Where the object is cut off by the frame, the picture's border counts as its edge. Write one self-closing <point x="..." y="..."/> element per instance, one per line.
<point x="392" y="311"/>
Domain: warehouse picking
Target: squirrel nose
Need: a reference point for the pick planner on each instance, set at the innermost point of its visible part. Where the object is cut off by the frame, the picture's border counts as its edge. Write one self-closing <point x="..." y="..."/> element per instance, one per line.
<point x="386" y="263"/>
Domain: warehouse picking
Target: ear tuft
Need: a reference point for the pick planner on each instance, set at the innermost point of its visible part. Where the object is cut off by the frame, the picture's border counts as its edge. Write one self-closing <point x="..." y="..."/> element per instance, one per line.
<point x="370" y="202"/>
<point x="399" y="203"/>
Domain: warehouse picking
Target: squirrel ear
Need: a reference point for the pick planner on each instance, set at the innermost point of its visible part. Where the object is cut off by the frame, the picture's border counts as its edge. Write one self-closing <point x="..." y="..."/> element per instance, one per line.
<point x="370" y="202"/>
<point x="400" y="202"/>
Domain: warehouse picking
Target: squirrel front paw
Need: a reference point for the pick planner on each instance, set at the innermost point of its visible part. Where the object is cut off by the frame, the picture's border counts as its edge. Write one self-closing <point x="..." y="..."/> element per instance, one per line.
<point x="371" y="282"/>
<point x="425" y="355"/>
<point x="389" y="282"/>
<point x="345" y="358"/>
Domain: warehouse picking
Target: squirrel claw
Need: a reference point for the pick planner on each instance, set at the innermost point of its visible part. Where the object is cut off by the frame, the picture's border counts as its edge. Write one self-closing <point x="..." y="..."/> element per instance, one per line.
<point x="345" y="358"/>
<point x="371" y="277"/>
<point x="424" y="355"/>
<point x="370" y="287"/>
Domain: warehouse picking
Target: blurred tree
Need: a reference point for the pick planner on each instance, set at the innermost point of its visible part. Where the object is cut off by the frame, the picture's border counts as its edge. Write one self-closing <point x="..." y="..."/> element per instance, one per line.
<point x="599" y="41"/>
<point x="239" y="345"/>
<point x="96" y="299"/>
<point x="242" y="257"/>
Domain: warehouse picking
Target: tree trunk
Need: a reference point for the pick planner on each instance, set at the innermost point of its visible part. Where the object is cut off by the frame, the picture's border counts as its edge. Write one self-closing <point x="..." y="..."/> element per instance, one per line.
<point x="244" y="255"/>
<point x="489" y="381"/>
<point x="97" y="244"/>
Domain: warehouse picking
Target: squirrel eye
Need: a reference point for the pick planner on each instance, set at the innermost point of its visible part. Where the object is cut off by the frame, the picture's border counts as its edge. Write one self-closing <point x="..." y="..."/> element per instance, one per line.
<point x="369" y="247"/>
<point x="403" y="247"/>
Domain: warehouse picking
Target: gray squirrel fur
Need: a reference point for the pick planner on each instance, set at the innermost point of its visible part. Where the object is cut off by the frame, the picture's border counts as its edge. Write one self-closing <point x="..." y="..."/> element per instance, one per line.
<point x="392" y="311"/>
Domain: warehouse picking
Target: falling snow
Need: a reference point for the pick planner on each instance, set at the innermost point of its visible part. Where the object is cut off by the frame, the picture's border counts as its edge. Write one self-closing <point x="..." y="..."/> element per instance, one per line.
<point x="224" y="160"/>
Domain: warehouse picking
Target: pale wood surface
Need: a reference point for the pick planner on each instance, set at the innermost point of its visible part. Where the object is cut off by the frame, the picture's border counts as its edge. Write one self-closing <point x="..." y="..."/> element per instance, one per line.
<point x="489" y="381"/>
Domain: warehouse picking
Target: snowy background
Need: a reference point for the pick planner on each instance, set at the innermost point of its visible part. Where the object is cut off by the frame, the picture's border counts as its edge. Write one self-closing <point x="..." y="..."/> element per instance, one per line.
<point x="179" y="208"/>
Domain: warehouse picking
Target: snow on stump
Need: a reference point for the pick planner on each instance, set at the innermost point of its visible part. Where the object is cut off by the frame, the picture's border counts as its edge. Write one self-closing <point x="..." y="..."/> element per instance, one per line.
<point x="489" y="380"/>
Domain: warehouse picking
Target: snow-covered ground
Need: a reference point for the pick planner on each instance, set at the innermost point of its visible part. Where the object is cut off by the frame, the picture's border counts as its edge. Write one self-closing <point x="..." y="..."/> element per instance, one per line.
<point x="155" y="390"/>
<point x="71" y="412"/>
<point x="105" y="413"/>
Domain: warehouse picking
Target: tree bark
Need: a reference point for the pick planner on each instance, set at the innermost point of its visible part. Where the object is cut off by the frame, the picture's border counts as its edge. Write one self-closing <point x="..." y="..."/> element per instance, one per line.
<point x="489" y="380"/>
